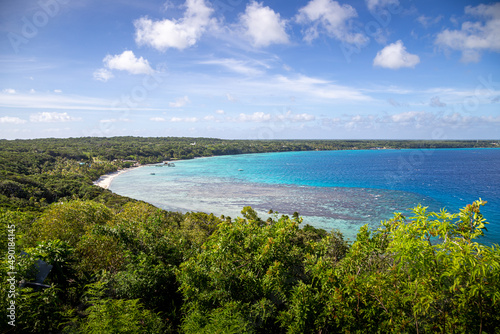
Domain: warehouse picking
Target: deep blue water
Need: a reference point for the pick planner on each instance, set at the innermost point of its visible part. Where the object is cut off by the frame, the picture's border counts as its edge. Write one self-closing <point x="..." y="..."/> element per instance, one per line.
<point x="330" y="189"/>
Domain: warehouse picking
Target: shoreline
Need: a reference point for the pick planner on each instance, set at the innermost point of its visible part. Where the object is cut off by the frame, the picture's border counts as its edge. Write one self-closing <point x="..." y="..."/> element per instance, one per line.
<point x="104" y="181"/>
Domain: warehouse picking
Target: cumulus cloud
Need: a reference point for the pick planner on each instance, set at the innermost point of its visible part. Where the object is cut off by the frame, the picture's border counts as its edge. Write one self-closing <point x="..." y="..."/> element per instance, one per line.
<point x="474" y="37"/>
<point x="290" y="116"/>
<point x="260" y="116"/>
<point x="9" y="91"/>
<point x="180" y="102"/>
<point x="395" y="56"/>
<point x="427" y="21"/>
<point x="12" y="120"/>
<point x="157" y="119"/>
<point x="185" y="119"/>
<point x="424" y="119"/>
<point x="329" y="16"/>
<point x="220" y="112"/>
<point x="407" y="116"/>
<point x="114" y="120"/>
<point x="179" y="34"/>
<point x="304" y="117"/>
<point x="49" y="117"/>
<point x="415" y="119"/>
<point x="103" y="74"/>
<point x="263" y="25"/>
<point x="127" y="61"/>
<point x="257" y="116"/>
<point x="374" y="5"/>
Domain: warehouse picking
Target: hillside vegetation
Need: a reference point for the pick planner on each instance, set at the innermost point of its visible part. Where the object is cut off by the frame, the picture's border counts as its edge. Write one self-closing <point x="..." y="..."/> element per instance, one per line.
<point x="124" y="266"/>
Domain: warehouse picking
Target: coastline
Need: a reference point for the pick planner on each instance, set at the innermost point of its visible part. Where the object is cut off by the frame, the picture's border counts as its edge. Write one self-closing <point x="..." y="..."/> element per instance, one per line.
<point x="104" y="181"/>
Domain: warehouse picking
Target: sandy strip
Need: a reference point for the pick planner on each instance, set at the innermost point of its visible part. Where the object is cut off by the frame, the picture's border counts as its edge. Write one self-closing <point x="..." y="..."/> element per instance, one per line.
<point x="105" y="180"/>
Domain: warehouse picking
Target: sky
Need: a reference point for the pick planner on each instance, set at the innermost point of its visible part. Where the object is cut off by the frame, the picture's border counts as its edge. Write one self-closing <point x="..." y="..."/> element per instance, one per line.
<point x="236" y="69"/>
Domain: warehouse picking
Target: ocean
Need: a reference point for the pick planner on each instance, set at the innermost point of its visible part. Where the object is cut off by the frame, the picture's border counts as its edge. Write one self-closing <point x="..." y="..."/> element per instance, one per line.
<point x="329" y="189"/>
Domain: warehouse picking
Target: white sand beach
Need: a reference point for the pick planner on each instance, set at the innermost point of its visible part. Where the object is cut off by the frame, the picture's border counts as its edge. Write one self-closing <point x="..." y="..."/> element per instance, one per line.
<point x="105" y="180"/>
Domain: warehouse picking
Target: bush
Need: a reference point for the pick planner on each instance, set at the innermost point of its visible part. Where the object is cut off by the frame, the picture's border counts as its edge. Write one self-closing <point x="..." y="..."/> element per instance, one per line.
<point x="68" y="221"/>
<point x="120" y="316"/>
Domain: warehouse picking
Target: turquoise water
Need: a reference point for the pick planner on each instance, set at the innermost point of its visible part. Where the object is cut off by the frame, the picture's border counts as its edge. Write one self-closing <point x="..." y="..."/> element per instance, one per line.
<point x="330" y="189"/>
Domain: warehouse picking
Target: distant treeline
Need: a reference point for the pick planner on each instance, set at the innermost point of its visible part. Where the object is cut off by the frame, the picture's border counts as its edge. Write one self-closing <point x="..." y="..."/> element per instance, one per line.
<point x="149" y="150"/>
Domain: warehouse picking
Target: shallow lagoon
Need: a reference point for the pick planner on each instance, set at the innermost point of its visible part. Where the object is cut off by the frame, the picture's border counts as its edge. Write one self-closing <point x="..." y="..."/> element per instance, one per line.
<point x="330" y="189"/>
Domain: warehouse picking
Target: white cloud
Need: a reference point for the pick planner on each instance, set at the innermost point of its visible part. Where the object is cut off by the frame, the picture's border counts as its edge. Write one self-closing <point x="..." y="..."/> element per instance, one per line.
<point x="258" y="116"/>
<point x="333" y="18"/>
<point x="209" y="118"/>
<point x="374" y="5"/>
<point x="423" y="119"/>
<point x="318" y="88"/>
<point x="290" y="116"/>
<point x="48" y="117"/>
<point x="407" y="116"/>
<point x="186" y="119"/>
<point x="219" y="112"/>
<point x="474" y="37"/>
<point x="114" y="120"/>
<point x="157" y="119"/>
<point x="352" y="122"/>
<point x="411" y="120"/>
<point x="179" y="34"/>
<point x="103" y="74"/>
<point x="427" y="21"/>
<point x="234" y="65"/>
<point x="12" y="120"/>
<point x="395" y="56"/>
<point x="58" y="101"/>
<point x="32" y="91"/>
<point x="263" y="25"/>
<point x="489" y="119"/>
<point x="304" y="117"/>
<point x="470" y="56"/>
<point x="180" y="102"/>
<point x="127" y="61"/>
<point x="9" y="91"/>
<point x="57" y="91"/>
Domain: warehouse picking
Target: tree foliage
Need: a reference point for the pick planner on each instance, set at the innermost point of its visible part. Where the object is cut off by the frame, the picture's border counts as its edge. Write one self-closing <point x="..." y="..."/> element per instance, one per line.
<point x="69" y="221"/>
<point x="425" y="273"/>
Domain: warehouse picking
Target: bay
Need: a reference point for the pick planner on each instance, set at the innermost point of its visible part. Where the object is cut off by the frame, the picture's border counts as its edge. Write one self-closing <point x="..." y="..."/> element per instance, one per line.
<point x="329" y="189"/>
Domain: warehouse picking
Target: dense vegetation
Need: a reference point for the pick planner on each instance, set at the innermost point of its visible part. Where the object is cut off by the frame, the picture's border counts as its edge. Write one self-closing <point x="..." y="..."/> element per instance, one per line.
<point x="123" y="266"/>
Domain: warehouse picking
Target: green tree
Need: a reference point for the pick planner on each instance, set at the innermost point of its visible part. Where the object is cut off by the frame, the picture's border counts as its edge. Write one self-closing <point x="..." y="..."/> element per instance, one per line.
<point x="426" y="273"/>
<point x="247" y="269"/>
<point x="110" y="316"/>
<point x="68" y="221"/>
<point x="446" y="279"/>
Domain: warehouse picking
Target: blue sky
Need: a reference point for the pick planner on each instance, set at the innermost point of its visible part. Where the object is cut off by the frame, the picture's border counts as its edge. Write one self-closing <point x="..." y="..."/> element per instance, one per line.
<point x="296" y="69"/>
